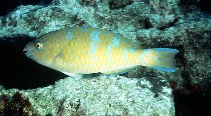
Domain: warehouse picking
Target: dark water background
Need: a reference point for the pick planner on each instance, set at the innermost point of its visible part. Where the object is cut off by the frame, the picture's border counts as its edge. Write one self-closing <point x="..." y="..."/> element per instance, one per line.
<point x="18" y="71"/>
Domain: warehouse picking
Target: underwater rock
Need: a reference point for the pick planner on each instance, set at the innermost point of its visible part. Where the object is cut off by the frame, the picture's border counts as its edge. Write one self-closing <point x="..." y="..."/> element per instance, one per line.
<point x="202" y="4"/>
<point x="10" y="5"/>
<point x="115" y="4"/>
<point x="104" y="95"/>
<point x="15" y="104"/>
<point x="150" y="23"/>
<point x="38" y="20"/>
<point x="192" y="38"/>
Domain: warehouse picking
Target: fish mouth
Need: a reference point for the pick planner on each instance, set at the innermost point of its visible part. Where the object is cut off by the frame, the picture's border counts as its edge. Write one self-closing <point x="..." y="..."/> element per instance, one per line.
<point x="24" y="50"/>
<point x="27" y="53"/>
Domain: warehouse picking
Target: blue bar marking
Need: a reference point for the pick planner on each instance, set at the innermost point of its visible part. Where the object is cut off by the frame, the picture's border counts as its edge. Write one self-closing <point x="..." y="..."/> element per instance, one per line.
<point x="70" y="35"/>
<point x="94" y="43"/>
<point x="114" y="44"/>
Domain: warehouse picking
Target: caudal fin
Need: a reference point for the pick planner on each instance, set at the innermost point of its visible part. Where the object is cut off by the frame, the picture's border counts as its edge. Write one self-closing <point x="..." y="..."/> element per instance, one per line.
<point x="162" y="59"/>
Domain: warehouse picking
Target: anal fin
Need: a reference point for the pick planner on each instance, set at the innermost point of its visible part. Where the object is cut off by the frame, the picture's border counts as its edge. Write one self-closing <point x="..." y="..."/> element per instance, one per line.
<point x="118" y="71"/>
<point x="76" y="75"/>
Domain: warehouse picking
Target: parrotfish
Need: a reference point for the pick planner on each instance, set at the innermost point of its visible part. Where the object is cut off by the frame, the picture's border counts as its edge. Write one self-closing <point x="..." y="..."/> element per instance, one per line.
<point x="81" y="50"/>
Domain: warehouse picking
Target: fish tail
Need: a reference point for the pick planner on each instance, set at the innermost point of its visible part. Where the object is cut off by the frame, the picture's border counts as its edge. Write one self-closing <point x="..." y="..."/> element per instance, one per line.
<point x="161" y="59"/>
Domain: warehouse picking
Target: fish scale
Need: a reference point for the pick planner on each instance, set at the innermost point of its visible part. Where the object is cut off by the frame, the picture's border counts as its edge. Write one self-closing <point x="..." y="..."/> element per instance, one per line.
<point x="81" y="50"/>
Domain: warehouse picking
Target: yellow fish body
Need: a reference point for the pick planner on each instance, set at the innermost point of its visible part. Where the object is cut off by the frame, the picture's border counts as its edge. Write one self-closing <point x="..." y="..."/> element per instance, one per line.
<point x="88" y="50"/>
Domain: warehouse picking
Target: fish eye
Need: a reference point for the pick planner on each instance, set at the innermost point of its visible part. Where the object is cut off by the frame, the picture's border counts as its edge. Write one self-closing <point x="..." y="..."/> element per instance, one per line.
<point x="38" y="45"/>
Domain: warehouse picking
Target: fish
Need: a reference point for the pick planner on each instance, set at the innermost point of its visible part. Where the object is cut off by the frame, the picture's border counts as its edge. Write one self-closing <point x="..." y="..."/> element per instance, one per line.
<point x="76" y="51"/>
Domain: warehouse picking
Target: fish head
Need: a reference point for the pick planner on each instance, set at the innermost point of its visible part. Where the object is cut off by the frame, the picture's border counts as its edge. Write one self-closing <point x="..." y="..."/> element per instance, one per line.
<point x="43" y="50"/>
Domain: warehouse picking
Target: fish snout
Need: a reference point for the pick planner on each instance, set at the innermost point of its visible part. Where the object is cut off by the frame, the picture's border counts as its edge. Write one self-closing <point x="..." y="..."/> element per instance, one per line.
<point x="28" y="49"/>
<point x="25" y="49"/>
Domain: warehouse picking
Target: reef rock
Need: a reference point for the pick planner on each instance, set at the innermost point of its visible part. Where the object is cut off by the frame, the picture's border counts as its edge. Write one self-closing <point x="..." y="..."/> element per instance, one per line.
<point x="104" y="95"/>
<point x="150" y="23"/>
